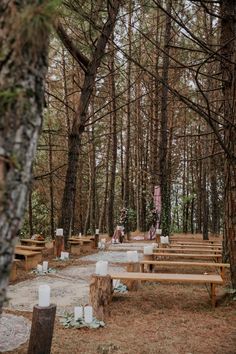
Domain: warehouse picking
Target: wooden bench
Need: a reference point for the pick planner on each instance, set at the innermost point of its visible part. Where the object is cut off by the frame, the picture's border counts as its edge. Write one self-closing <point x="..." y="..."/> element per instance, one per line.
<point x="188" y="250"/>
<point x="31" y="242"/>
<point x="177" y="243"/>
<point x="85" y="243"/>
<point x="221" y="266"/>
<point x="204" y="247"/>
<point x="30" y="248"/>
<point x="75" y="247"/>
<point x="31" y="258"/>
<point x="212" y="279"/>
<point x="217" y="257"/>
<point x="100" y="293"/>
<point x="203" y="242"/>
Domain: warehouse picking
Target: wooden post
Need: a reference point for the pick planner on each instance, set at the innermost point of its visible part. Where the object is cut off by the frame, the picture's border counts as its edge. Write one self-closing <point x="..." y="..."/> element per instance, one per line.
<point x="100" y="294"/>
<point x="132" y="284"/>
<point x="59" y="245"/>
<point x="148" y="257"/>
<point x="213" y="295"/>
<point x="96" y="239"/>
<point x="42" y="329"/>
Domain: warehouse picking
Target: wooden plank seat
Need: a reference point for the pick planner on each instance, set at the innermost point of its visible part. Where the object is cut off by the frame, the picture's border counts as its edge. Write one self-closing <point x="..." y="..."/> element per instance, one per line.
<point x="204" y="247"/>
<point x="187" y="243"/>
<point x="30" y="248"/>
<point x="30" y="258"/>
<point x="185" y="240"/>
<point x="188" y="250"/>
<point x="187" y="264"/>
<point x="211" y="279"/>
<point x="85" y="243"/>
<point x="217" y="257"/>
<point x="31" y="242"/>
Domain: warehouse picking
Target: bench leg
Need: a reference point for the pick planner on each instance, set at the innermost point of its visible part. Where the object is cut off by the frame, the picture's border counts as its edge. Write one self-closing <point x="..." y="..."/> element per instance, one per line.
<point x="222" y="272"/>
<point x="213" y="295"/>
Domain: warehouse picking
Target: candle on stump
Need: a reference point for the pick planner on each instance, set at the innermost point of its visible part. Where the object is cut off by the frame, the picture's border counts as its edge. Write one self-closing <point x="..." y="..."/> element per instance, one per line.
<point x="88" y="314"/>
<point x="45" y="266"/>
<point x="39" y="268"/>
<point x="97" y="231"/>
<point x="44" y="295"/>
<point x="78" y="312"/>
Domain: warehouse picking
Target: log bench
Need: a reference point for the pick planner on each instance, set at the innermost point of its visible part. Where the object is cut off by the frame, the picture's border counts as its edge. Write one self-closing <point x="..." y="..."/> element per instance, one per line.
<point x="30" y="248"/>
<point x="221" y="266"/>
<point x="202" y="247"/>
<point x="101" y="286"/>
<point x="189" y="250"/>
<point x="75" y="247"/>
<point x="217" y="257"/>
<point x="86" y="244"/>
<point x="30" y="258"/>
<point x="211" y="279"/>
<point x="31" y="242"/>
<point x="189" y="243"/>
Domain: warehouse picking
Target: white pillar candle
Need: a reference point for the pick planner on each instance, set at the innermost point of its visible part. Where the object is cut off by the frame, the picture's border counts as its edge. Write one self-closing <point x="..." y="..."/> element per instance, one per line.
<point x="164" y="239"/>
<point x="80" y="235"/>
<point x="129" y="256"/>
<point x="148" y="250"/>
<point x="62" y="255"/>
<point x="104" y="268"/>
<point x="101" y="267"/>
<point x="158" y="231"/>
<point x="97" y="232"/>
<point x="44" y="295"/>
<point x="39" y="268"/>
<point x="66" y="255"/>
<point x="78" y="312"/>
<point x="59" y="232"/>
<point x="88" y="314"/>
<point x="134" y="256"/>
<point x="45" y="266"/>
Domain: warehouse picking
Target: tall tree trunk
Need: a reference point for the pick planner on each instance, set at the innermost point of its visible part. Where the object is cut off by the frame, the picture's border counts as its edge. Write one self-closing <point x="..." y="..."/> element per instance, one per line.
<point x="228" y="53"/>
<point x="164" y="177"/>
<point x="111" y="188"/>
<point x="79" y="121"/>
<point x="126" y="196"/>
<point x="23" y="66"/>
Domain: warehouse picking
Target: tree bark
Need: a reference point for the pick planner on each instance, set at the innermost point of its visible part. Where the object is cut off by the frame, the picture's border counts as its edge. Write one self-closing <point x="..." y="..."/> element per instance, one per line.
<point x="164" y="177"/>
<point x="23" y="66"/>
<point x="228" y="52"/>
<point x="79" y="121"/>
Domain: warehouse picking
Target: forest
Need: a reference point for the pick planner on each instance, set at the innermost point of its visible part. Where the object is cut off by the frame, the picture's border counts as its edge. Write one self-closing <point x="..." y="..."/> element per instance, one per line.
<point x="101" y="101"/>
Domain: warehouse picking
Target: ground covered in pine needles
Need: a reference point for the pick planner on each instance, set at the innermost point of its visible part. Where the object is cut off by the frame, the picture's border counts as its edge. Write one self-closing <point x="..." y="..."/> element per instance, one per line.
<point x="158" y="318"/>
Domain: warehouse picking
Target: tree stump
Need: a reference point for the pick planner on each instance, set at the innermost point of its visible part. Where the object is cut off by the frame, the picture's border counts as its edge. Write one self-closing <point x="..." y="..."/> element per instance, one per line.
<point x="58" y="245"/>
<point x="42" y="330"/>
<point x="100" y="295"/>
<point x="132" y="284"/>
